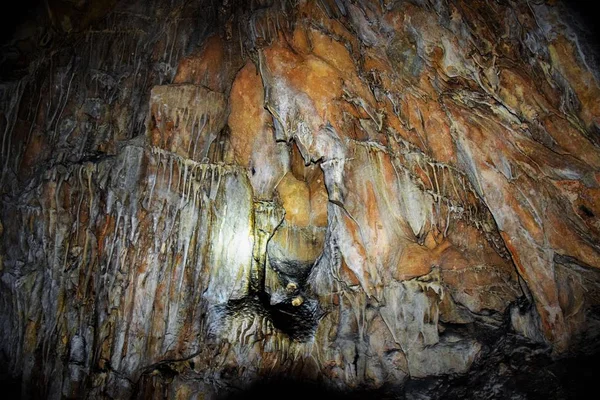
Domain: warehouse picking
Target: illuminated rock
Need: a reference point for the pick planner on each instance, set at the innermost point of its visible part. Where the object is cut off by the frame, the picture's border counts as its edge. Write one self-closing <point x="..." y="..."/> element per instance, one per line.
<point x="364" y="194"/>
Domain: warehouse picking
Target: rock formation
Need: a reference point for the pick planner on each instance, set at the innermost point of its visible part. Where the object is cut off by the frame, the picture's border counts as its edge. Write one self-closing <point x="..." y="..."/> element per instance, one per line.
<point x="197" y="196"/>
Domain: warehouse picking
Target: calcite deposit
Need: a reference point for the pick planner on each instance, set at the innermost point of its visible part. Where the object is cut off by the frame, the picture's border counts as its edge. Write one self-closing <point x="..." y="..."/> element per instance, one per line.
<point x="392" y="196"/>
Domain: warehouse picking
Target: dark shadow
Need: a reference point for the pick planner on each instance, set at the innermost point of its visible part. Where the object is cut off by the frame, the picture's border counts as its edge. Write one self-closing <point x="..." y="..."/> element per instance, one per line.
<point x="10" y="388"/>
<point x="291" y="389"/>
<point x="297" y="322"/>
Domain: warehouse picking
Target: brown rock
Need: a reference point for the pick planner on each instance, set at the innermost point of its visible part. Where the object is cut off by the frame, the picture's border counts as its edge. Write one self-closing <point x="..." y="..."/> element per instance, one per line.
<point x="295" y="197"/>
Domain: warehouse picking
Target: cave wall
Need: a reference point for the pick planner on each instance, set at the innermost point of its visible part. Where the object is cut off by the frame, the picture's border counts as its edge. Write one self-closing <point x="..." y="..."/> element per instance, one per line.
<point x="198" y="195"/>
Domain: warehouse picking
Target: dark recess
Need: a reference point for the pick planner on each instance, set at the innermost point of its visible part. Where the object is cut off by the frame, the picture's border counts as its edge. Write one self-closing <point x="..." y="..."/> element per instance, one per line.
<point x="15" y="15"/>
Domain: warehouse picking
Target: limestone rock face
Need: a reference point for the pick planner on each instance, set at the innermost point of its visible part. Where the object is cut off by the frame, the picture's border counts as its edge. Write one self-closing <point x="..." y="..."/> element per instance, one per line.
<point x="197" y="196"/>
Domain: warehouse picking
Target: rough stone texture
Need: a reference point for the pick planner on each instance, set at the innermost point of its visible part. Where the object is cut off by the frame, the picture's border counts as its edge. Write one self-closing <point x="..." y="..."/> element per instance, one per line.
<point x="382" y="195"/>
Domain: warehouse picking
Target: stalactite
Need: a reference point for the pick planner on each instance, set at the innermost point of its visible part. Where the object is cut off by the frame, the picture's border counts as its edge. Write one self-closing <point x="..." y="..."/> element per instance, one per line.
<point x="196" y="196"/>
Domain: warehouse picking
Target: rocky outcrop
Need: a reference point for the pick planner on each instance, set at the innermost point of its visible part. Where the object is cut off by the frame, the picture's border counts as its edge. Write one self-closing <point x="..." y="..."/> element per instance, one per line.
<point x="197" y="196"/>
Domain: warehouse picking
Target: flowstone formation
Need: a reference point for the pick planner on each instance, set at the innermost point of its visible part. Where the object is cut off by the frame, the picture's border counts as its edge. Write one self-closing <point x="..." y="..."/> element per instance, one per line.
<point x="391" y="197"/>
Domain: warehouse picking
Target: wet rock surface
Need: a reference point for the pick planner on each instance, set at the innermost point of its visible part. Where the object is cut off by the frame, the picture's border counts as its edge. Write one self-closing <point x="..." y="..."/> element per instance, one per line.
<point x="214" y="199"/>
